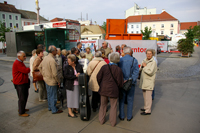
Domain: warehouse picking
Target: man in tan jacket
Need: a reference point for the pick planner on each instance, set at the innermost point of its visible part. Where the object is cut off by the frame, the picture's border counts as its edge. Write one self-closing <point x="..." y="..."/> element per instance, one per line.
<point x="48" y="68"/>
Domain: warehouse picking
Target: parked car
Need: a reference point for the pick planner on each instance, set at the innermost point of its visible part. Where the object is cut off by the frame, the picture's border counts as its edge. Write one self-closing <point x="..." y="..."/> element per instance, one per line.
<point x="158" y="49"/>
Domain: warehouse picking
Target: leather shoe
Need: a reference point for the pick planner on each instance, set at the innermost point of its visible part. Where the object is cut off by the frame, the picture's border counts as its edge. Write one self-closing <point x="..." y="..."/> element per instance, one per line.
<point x="121" y="118"/>
<point x="24" y="115"/>
<point x="130" y="119"/>
<point x="144" y="113"/>
<point x="75" y="112"/>
<point x="72" y="116"/>
<point x="142" y="109"/>
<point x="59" y="111"/>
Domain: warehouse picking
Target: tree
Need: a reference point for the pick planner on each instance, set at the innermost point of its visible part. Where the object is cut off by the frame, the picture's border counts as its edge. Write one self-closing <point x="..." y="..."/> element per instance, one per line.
<point x="3" y="30"/>
<point x="146" y="33"/>
<point x="196" y="32"/>
<point x="104" y="27"/>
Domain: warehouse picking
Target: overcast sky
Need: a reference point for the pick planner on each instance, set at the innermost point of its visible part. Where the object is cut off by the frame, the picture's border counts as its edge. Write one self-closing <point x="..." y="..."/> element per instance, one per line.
<point x="100" y="10"/>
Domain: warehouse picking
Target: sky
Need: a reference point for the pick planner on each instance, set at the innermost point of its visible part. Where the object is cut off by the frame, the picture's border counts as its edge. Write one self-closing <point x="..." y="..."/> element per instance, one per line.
<point x="100" y="10"/>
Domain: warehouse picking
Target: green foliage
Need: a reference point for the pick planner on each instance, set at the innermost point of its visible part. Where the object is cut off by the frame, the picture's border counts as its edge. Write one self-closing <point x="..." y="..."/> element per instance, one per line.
<point x="146" y="33"/>
<point x="185" y="46"/>
<point x="196" y="32"/>
<point x="190" y="34"/>
<point x="104" y="26"/>
<point x="3" y="30"/>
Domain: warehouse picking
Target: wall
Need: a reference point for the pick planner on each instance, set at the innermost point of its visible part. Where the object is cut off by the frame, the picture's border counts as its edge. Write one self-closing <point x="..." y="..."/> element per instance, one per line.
<point x="167" y="27"/>
<point x="134" y="29"/>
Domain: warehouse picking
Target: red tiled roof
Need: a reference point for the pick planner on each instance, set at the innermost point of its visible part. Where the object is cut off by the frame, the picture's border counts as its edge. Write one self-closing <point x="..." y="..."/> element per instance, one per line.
<point x="164" y="16"/>
<point x="8" y="8"/>
<point x="61" y="19"/>
<point x="186" y="25"/>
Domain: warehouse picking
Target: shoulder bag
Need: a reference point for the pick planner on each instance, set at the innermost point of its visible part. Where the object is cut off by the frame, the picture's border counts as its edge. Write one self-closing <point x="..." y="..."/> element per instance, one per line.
<point x="95" y="67"/>
<point x="112" y="75"/>
<point x="37" y="76"/>
<point x="127" y="85"/>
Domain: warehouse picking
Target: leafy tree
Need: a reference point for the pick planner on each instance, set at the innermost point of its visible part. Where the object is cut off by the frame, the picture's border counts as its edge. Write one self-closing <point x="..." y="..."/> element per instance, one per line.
<point x="146" y="33"/>
<point x="3" y="30"/>
<point x="104" y="26"/>
<point x="196" y="32"/>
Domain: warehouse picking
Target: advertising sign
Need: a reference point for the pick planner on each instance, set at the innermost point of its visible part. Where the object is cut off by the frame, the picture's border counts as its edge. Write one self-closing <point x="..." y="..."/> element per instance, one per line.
<point x="163" y="45"/>
<point x="139" y="47"/>
<point x="89" y="43"/>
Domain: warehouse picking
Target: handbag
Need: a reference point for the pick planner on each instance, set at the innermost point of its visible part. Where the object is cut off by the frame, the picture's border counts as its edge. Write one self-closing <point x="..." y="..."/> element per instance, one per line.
<point x="37" y="76"/>
<point x="140" y="72"/>
<point x="127" y="85"/>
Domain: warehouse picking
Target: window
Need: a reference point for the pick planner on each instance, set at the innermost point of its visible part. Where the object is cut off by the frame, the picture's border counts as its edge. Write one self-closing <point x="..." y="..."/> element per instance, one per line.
<point x="132" y="26"/>
<point x="162" y="32"/>
<point x="30" y="23"/>
<point x="171" y="32"/>
<point x="16" y="17"/>
<point x="25" y="23"/>
<point x="17" y="25"/>
<point x="137" y="32"/>
<point x="10" y="16"/>
<point x="11" y="25"/>
<point x="162" y="26"/>
<point x="132" y="32"/>
<point x="154" y="26"/>
<point x="3" y="16"/>
<point x="172" y="25"/>
<point x="137" y="26"/>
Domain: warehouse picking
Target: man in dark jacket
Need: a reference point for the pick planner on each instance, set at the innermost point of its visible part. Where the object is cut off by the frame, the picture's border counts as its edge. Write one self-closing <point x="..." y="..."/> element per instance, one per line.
<point x="125" y="64"/>
<point x="21" y="82"/>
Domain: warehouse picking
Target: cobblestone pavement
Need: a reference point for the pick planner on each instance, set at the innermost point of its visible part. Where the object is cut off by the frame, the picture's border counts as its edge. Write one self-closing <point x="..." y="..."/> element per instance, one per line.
<point x="178" y="67"/>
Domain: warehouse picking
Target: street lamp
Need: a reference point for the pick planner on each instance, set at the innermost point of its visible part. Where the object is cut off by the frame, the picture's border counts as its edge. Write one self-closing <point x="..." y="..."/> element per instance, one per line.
<point x="37" y="8"/>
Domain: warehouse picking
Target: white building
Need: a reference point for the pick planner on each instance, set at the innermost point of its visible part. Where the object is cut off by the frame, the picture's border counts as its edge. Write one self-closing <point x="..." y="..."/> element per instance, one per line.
<point x="136" y="10"/>
<point x="161" y="24"/>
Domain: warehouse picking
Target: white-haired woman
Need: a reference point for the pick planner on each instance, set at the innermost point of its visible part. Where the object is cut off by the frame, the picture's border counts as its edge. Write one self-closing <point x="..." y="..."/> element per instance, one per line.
<point x="110" y="80"/>
<point x="93" y="68"/>
<point x="147" y="80"/>
<point x="32" y="59"/>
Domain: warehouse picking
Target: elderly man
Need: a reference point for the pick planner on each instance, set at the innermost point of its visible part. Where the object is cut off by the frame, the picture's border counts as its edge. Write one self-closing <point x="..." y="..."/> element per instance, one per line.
<point x="48" y="68"/>
<point x="21" y="82"/>
<point x="105" y="47"/>
<point x="59" y="67"/>
<point x="125" y="64"/>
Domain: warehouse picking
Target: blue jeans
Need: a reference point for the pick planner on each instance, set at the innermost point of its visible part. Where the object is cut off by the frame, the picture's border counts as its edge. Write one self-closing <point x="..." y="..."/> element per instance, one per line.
<point x="52" y="98"/>
<point x="130" y="98"/>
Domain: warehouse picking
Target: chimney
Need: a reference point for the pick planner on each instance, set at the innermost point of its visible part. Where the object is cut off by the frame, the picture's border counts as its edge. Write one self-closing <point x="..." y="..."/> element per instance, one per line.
<point x="163" y="10"/>
<point x="5" y="2"/>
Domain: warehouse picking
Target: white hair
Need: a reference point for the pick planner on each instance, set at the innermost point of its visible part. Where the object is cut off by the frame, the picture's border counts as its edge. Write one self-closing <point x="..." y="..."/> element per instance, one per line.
<point x="127" y="50"/>
<point x="98" y="54"/>
<point x="82" y="54"/>
<point x="51" y="48"/>
<point x="20" y="53"/>
<point x="58" y="49"/>
<point x="34" y="51"/>
<point x="114" y="57"/>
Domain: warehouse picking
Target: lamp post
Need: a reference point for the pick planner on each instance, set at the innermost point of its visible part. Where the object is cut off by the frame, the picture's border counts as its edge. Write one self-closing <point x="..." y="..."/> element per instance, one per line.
<point x="37" y="8"/>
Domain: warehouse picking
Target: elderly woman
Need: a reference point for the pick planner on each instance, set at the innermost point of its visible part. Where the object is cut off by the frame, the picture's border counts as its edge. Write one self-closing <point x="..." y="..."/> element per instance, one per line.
<point x="89" y="55"/>
<point x="83" y="61"/>
<point x="147" y="80"/>
<point x="31" y="67"/>
<point x="41" y="84"/>
<point x="72" y="71"/>
<point x="110" y="80"/>
<point x="92" y="70"/>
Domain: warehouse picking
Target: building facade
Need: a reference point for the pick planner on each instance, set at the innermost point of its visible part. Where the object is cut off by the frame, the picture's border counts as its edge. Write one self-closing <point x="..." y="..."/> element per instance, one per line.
<point x="186" y="25"/>
<point x="10" y="16"/>
<point x="134" y="28"/>
<point x="92" y="32"/>
<point x="136" y="10"/>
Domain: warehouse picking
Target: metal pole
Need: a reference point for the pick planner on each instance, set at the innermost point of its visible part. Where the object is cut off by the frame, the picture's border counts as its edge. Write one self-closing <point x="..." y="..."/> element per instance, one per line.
<point x="37" y="8"/>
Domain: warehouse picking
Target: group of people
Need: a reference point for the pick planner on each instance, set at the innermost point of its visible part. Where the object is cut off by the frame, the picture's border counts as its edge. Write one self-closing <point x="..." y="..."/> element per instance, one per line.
<point x="107" y="71"/>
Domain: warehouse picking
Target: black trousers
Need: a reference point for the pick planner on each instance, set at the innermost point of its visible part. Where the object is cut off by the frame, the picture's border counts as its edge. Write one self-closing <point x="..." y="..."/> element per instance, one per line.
<point x="95" y="99"/>
<point x="22" y="93"/>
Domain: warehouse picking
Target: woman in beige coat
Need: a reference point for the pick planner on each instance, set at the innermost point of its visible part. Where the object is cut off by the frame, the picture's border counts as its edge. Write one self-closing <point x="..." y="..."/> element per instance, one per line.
<point x="92" y="70"/>
<point x="147" y="80"/>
